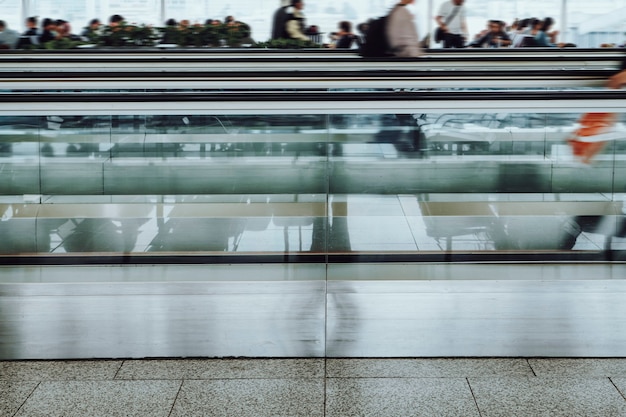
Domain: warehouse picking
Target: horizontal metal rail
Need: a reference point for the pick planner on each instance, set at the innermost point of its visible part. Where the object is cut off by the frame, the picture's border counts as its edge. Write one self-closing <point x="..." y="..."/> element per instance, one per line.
<point x="500" y="257"/>
<point x="309" y="69"/>
<point x="317" y="102"/>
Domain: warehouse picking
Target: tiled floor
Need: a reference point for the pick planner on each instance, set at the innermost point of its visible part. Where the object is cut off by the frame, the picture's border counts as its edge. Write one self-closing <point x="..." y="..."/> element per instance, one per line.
<point x="315" y="387"/>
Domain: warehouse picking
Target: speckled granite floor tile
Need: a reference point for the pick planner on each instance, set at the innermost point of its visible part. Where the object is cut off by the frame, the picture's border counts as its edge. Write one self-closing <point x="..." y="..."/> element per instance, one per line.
<point x="509" y="397"/>
<point x="58" y="370"/>
<point x="426" y="368"/>
<point x="580" y="368"/>
<point x="251" y="397"/>
<point x="404" y="397"/>
<point x="13" y="394"/>
<point x="222" y="369"/>
<point x="101" y="398"/>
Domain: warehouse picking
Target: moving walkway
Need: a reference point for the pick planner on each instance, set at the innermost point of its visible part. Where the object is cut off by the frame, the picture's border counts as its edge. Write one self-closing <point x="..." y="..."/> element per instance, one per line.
<point x="308" y="220"/>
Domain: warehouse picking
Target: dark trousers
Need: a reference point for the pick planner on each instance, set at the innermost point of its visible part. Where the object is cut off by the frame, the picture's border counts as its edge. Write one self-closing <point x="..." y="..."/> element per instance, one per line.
<point x="451" y="40"/>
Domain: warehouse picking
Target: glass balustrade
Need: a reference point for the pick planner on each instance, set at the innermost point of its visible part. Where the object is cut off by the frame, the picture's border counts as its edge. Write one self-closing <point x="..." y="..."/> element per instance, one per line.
<point x="352" y="183"/>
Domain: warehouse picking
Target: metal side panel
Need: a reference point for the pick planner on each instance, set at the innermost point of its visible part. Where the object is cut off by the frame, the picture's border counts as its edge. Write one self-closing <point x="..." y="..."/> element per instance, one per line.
<point x="476" y="310"/>
<point x="200" y="311"/>
<point x="291" y="310"/>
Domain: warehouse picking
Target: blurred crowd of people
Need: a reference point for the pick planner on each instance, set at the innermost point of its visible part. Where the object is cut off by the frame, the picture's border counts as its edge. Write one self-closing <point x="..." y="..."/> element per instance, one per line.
<point x="529" y="32"/>
<point x="289" y="22"/>
<point x="41" y="32"/>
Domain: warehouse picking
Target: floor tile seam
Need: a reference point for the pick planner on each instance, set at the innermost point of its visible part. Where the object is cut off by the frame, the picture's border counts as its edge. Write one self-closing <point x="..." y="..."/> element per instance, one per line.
<point x="180" y="388"/>
<point x="27" y="398"/>
<point x="188" y="378"/>
<point x="430" y="377"/>
<point x="177" y="378"/>
<point x="473" y="397"/>
<point x="184" y="378"/>
<point x="118" y="370"/>
<point x="618" y="390"/>
<point x="408" y="223"/>
<point x="531" y="367"/>
<point x="325" y="383"/>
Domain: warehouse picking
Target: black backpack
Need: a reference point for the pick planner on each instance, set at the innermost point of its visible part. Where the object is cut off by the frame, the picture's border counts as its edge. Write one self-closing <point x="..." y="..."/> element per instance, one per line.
<point x="376" y="43"/>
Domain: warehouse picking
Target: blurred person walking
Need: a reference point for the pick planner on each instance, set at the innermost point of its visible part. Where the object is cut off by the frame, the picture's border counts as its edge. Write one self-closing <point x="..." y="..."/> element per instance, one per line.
<point x="452" y="20"/>
<point x="402" y="32"/>
<point x="295" y="26"/>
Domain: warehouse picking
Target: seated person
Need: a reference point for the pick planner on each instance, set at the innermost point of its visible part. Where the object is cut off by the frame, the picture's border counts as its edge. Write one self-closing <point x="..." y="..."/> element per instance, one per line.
<point x="8" y="37"/>
<point x="116" y="20"/>
<point x="544" y="36"/>
<point x="170" y="34"/>
<point x="92" y="30"/>
<point x="64" y="31"/>
<point x="48" y="32"/>
<point x="344" y="38"/>
<point x="496" y="37"/>
<point x="31" y="27"/>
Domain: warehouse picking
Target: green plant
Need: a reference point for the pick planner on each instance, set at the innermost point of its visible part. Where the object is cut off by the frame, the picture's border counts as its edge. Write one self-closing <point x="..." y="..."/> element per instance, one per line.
<point x="287" y="44"/>
<point x="128" y="35"/>
<point x="234" y="33"/>
<point x="63" y="43"/>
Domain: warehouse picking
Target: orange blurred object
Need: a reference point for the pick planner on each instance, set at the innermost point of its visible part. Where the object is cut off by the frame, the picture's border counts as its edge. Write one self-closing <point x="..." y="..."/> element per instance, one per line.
<point x="590" y="138"/>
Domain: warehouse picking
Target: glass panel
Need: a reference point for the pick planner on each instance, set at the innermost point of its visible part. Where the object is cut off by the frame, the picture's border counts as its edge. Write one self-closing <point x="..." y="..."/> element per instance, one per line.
<point x="134" y="184"/>
<point x="19" y="154"/>
<point x="73" y="150"/>
<point x="366" y="183"/>
<point x="404" y="182"/>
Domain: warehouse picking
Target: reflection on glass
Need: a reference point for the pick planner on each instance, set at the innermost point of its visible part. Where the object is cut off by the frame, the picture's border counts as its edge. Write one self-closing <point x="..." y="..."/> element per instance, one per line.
<point x="370" y="183"/>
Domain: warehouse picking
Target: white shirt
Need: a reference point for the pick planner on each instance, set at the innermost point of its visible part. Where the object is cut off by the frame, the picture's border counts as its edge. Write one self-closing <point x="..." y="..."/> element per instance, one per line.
<point x="454" y="26"/>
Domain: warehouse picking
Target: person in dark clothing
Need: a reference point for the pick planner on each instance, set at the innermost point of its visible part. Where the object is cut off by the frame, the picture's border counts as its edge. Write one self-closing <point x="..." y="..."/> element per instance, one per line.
<point x="496" y="37"/>
<point x="48" y="32"/>
<point x="115" y="20"/>
<point x="344" y="38"/>
<point x="170" y="35"/>
<point x="279" y="21"/>
<point x="92" y="30"/>
<point x="64" y="31"/>
<point x="31" y="27"/>
<point x="31" y="34"/>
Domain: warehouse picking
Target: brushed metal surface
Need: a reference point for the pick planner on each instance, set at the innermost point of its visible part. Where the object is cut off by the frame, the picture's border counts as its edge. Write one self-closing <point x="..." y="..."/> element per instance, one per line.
<point x="477" y="317"/>
<point x="265" y="320"/>
<point x="362" y="310"/>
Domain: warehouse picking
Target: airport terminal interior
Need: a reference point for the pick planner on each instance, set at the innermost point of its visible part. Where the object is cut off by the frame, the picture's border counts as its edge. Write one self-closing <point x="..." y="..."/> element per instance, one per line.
<point x="227" y="232"/>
